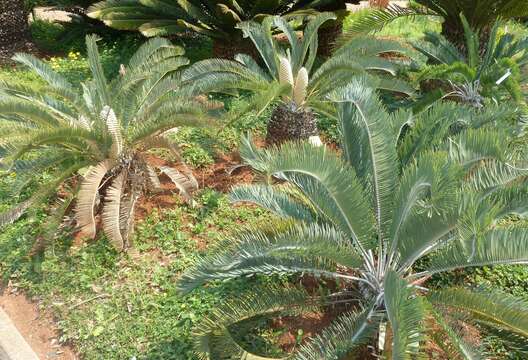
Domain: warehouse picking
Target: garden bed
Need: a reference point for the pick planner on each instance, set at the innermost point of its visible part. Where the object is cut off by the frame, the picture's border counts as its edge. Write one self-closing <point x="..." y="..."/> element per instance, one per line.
<point x="82" y="299"/>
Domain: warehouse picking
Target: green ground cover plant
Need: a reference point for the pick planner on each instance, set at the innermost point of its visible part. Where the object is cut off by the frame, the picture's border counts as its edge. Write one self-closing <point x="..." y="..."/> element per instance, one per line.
<point x="130" y="306"/>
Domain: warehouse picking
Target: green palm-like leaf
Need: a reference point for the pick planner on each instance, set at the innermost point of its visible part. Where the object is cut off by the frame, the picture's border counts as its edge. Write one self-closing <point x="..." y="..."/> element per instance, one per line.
<point x="214" y="337"/>
<point x="490" y="307"/>
<point x="278" y="202"/>
<point x="401" y="187"/>
<point x="329" y="183"/>
<point x="361" y="119"/>
<point x="405" y="313"/>
<point x="347" y="333"/>
<point x="456" y="347"/>
<point x="498" y="246"/>
<point x="277" y="252"/>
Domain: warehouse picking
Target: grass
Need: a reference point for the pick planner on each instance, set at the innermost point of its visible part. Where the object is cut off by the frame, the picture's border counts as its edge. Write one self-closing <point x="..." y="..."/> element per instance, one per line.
<point x="115" y="307"/>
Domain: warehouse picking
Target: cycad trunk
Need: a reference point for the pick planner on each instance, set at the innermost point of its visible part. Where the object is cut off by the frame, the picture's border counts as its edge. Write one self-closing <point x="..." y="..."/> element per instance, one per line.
<point x="329" y="32"/>
<point x="224" y="49"/>
<point x="327" y="38"/>
<point x="286" y="124"/>
<point x="454" y="32"/>
<point x="14" y="30"/>
<point x="379" y="3"/>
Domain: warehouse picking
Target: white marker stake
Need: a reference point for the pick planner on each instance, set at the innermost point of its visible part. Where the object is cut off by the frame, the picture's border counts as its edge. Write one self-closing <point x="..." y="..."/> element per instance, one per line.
<point x="504" y="77"/>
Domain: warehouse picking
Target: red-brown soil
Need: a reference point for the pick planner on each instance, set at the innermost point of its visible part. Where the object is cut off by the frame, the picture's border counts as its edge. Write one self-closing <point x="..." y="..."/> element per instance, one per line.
<point x="36" y="325"/>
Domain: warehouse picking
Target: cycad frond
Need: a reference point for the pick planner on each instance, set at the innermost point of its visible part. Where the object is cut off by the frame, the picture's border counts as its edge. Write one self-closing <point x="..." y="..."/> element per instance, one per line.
<point x="455" y="347"/>
<point x="110" y="119"/>
<point x="112" y="212"/>
<point x="405" y="314"/>
<point x="299" y="249"/>
<point x="376" y="19"/>
<point x="87" y="198"/>
<point x="373" y="156"/>
<point x="496" y="247"/>
<point x="273" y="199"/>
<point x="345" y="334"/>
<point x="96" y="67"/>
<point x="488" y="306"/>
<point x="213" y="336"/>
<point x="13" y="214"/>
<point x="43" y="192"/>
<point x="328" y="182"/>
<point x="184" y="185"/>
<point x="44" y="71"/>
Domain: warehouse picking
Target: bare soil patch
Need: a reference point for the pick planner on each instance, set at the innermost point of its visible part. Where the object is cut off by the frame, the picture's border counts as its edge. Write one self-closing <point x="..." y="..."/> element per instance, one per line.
<point x="37" y="326"/>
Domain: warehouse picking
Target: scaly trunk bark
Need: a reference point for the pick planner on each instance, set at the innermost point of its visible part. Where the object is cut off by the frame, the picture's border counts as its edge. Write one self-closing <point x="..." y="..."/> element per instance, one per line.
<point x="455" y="34"/>
<point x="14" y="29"/>
<point x="286" y="124"/>
<point x="327" y="38"/>
<point x="379" y="3"/>
<point x="13" y="22"/>
<point x="224" y="49"/>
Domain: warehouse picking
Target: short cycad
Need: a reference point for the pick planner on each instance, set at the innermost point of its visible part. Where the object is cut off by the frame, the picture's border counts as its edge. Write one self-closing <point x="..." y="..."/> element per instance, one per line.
<point x="290" y="74"/>
<point x="379" y="229"/>
<point x="486" y="71"/>
<point x="101" y="130"/>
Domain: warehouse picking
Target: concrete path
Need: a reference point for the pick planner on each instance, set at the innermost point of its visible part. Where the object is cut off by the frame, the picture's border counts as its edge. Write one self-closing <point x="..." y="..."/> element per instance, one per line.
<point x="12" y="344"/>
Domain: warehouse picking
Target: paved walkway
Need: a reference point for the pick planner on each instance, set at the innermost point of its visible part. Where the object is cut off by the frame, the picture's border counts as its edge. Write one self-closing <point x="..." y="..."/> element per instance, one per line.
<point x="12" y="344"/>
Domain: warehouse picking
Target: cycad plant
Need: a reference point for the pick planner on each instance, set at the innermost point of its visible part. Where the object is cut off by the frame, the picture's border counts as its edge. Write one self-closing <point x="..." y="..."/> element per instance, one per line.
<point x="481" y="15"/>
<point x="100" y="130"/>
<point x="289" y="75"/>
<point x="494" y="75"/>
<point x="216" y="19"/>
<point x="379" y="231"/>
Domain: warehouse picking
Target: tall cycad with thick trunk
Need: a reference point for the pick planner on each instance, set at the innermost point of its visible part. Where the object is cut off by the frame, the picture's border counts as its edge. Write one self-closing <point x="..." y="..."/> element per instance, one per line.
<point x="13" y="25"/>
<point x="365" y="220"/>
<point x="289" y="75"/>
<point x="217" y="19"/>
<point x="100" y="130"/>
<point x="481" y="15"/>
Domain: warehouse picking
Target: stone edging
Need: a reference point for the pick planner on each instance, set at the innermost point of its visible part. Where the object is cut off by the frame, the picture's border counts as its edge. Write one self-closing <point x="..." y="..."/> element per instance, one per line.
<point x="12" y="344"/>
